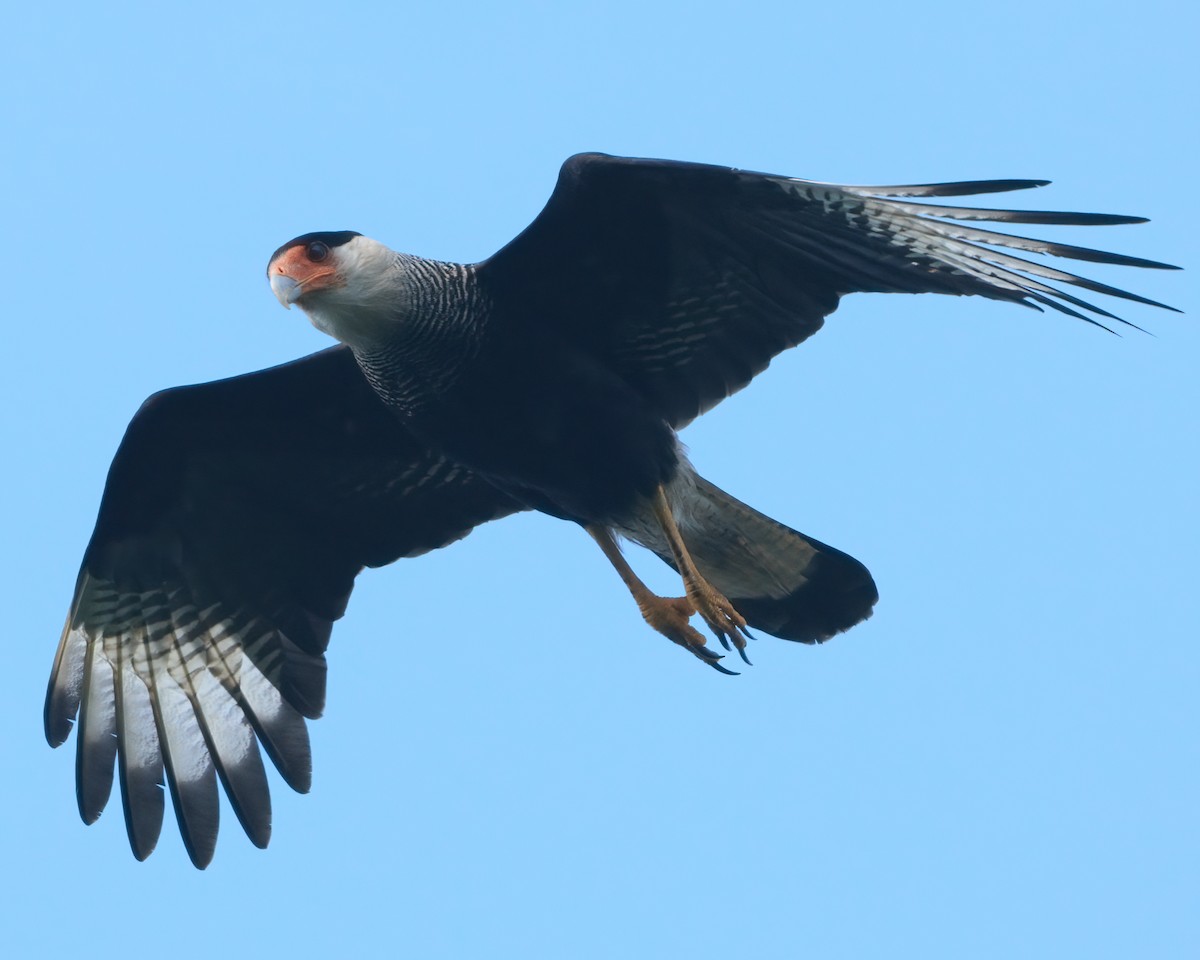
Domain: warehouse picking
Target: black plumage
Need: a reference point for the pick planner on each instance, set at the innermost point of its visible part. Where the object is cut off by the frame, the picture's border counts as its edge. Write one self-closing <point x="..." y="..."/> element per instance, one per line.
<point x="552" y="376"/>
<point x="235" y="518"/>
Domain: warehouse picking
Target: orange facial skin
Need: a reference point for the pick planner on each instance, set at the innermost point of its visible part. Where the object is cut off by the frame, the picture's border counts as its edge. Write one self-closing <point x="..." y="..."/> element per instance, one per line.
<point x="306" y="276"/>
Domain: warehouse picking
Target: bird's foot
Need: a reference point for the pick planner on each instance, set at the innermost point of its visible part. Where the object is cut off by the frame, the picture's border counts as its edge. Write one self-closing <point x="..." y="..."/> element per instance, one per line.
<point x="670" y="616"/>
<point x="723" y="620"/>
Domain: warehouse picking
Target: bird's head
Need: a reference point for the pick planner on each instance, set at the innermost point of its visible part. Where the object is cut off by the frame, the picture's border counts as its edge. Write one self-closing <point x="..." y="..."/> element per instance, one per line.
<point x="348" y="284"/>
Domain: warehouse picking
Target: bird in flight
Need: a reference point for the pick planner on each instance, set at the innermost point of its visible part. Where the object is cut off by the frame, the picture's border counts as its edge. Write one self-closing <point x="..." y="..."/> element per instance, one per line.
<point x="553" y="376"/>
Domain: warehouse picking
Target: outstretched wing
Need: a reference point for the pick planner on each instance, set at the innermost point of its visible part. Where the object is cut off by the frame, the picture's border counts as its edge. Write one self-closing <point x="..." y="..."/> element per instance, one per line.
<point x="235" y="518"/>
<point x="689" y="278"/>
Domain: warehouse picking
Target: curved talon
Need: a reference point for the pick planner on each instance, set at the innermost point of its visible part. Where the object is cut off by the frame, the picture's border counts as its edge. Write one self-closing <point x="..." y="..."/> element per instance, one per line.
<point x="739" y="641"/>
<point x="670" y="616"/>
<point x="727" y="630"/>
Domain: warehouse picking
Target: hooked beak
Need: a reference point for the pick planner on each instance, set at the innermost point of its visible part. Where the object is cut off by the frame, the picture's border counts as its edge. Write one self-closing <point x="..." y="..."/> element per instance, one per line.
<point x="286" y="289"/>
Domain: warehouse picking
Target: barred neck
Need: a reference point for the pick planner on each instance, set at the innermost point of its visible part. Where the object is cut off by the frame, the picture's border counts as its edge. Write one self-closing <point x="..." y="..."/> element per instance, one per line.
<point x="440" y="329"/>
<point x="438" y="291"/>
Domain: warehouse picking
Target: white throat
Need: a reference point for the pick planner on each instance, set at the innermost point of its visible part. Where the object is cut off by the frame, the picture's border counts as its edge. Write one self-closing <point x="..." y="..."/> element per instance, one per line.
<point x="373" y="296"/>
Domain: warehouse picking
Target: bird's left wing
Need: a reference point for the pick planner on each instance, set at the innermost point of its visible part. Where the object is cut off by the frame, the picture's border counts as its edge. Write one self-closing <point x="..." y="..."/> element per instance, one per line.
<point x="235" y="518"/>
<point x="687" y="278"/>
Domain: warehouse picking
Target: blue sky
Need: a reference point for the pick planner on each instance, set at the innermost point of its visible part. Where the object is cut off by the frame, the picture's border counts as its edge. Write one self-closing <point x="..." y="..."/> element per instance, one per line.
<point x="1002" y="762"/>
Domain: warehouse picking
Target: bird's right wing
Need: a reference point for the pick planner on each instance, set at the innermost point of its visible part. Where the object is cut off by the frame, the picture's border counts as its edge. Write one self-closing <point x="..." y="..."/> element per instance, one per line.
<point x="235" y="518"/>
<point x="687" y="279"/>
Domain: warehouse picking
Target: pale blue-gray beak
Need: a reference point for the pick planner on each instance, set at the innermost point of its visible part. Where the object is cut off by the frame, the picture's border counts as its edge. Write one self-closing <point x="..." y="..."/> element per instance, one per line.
<point x="286" y="289"/>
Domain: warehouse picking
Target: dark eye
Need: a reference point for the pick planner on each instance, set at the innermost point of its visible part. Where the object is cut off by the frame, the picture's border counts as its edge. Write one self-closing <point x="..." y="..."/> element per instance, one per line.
<point x="316" y="251"/>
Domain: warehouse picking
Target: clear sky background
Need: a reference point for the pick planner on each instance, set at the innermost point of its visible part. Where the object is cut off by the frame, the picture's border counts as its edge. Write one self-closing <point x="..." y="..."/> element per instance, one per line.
<point x="1002" y="762"/>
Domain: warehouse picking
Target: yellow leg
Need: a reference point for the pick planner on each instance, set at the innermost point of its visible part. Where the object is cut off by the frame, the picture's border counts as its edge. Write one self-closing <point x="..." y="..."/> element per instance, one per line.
<point x="668" y="615"/>
<point x="717" y="611"/>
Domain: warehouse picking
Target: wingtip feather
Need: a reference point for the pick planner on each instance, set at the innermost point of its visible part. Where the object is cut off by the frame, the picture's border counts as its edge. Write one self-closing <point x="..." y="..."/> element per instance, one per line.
<point x="139" y="762"/>
<point x="96" y="740"/>
<point x="65" y="687"/>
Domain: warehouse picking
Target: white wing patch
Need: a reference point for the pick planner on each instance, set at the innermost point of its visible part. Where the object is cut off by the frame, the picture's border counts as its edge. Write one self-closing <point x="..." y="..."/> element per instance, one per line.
<point x="163" y="687"/>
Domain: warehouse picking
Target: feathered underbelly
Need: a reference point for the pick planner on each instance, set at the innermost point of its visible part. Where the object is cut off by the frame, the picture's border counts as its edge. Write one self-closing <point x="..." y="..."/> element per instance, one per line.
<point x="567" y="438"/>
